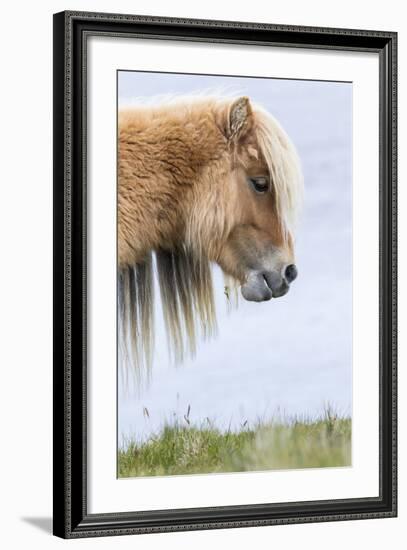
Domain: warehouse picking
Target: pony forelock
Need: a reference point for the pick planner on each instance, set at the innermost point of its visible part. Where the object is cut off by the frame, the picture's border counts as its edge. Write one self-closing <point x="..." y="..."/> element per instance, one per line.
<point x="284" y="167"/>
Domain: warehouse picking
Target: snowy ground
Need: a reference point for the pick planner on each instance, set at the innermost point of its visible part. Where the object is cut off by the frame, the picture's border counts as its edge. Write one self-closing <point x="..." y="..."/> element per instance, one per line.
<point x="293" y="354"/>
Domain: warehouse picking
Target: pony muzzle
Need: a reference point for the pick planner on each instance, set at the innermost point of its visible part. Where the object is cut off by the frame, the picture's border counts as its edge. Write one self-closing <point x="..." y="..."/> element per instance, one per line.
<point x="261" y="286"/>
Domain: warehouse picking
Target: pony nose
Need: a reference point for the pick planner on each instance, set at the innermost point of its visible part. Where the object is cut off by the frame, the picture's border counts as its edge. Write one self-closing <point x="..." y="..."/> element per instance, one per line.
<point x="290" y="273"/>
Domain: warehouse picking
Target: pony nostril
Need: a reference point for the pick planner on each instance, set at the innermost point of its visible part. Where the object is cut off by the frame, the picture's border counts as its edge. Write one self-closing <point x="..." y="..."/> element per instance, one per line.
<point x="290" y="273"/>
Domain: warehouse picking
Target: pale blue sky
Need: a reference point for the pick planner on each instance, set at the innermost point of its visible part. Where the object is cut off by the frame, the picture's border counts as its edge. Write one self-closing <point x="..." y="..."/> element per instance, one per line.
<point x="292" y="354"/>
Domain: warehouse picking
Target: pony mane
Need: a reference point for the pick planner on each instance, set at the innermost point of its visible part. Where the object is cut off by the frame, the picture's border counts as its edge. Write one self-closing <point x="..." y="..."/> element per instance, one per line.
<point x="186" y="290"/>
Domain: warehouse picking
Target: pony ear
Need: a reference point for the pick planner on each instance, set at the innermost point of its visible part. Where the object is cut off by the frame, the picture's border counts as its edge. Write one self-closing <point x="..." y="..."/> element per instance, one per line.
<point x="239" y="117"/>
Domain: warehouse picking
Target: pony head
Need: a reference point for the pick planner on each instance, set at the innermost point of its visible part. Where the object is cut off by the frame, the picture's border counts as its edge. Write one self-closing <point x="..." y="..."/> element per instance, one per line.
<point x="209" y="179"/>
<point x="243" y="208"/>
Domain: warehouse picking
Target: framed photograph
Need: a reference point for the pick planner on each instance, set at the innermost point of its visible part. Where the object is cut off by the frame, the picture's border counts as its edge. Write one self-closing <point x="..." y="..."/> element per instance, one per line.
<point x="224" y="274"/>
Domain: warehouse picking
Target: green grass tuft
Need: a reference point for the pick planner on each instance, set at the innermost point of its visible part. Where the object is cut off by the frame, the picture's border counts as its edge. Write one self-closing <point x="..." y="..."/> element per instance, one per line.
<point x="274" y="445"/>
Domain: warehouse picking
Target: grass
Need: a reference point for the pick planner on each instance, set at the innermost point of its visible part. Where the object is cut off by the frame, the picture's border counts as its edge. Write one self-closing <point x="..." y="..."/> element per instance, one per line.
<point x="182" y="448"/>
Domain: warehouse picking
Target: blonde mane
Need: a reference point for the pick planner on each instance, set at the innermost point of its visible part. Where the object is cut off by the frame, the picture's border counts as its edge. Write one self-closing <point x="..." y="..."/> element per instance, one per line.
<point x="186" y="291"/>
<point x="184" y="273"/>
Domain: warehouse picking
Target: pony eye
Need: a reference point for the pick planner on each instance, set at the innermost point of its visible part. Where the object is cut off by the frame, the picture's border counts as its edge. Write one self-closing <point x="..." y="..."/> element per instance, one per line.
<point x="260" y="184"/>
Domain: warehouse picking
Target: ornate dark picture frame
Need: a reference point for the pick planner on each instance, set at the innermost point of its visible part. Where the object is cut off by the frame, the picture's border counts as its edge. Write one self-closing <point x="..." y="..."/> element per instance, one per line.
<point x="71" y="518"/>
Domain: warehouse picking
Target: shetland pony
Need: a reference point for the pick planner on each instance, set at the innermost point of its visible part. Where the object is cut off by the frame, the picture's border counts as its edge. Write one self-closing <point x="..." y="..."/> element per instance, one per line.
<point x="203" y="180"/>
